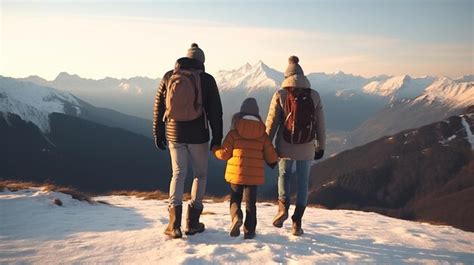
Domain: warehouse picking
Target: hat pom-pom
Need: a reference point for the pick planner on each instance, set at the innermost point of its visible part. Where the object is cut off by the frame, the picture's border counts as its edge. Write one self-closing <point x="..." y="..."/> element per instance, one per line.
<point x="293" y="60"/>
<point x="194" y="45"/>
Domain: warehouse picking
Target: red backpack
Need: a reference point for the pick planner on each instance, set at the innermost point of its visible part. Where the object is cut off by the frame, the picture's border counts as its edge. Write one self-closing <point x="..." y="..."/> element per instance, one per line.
<point x="299" y="124"/>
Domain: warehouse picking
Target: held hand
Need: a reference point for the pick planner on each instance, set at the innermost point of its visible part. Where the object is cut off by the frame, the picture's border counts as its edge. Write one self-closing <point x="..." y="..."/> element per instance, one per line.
<point x="160" y="143"/>
<point x="215" y="148"/>
<point x="215" y="143"/>
<point x="319" y="154"/>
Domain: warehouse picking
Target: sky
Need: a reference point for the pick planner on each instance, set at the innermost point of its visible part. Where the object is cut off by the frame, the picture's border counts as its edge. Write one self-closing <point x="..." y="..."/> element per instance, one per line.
<point x="95" y="39"/>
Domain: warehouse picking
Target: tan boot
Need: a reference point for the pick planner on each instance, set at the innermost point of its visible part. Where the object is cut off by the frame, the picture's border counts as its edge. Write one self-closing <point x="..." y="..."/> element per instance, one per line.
<point x="282" y="213"/>
<point x="174" y="227"/>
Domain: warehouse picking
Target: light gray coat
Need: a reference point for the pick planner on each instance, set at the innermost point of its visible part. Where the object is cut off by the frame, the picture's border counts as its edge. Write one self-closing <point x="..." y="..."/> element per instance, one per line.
<point x="275" y="122"/>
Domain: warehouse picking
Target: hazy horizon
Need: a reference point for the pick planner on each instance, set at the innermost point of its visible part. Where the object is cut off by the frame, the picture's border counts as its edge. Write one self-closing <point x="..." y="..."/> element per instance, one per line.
<point x="95" y="39"/>
<point x="160" y="76"/>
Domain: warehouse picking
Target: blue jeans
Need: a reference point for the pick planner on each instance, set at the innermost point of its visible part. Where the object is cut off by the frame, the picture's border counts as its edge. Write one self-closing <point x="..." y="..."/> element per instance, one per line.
<point x="181" y="154"/>
<point x="284" y="178"/>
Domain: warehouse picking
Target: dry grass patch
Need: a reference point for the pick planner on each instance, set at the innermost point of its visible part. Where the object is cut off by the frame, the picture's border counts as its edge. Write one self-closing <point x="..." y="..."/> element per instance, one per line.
<point x="160" y="195"/>
<point x="146" y="195"/>
<point x="13" y="185"/>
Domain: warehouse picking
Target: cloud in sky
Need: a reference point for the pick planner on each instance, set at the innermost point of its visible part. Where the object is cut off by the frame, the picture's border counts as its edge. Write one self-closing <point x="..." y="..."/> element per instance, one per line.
<point x="122" y="46"/>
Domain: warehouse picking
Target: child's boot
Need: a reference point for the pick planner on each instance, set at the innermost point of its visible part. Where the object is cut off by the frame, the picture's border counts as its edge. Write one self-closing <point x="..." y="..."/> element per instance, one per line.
<point x="250" y="221"/>
<point x="236" y="216"/>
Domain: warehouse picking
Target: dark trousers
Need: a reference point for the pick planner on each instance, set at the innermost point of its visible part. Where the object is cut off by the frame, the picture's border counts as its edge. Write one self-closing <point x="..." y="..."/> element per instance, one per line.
<point x="249" y="193"/>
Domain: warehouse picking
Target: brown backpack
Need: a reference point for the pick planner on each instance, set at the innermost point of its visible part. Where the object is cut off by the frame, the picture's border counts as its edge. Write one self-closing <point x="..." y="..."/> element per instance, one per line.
<point x="184" y="96"/>
<point x="299" y="124"/>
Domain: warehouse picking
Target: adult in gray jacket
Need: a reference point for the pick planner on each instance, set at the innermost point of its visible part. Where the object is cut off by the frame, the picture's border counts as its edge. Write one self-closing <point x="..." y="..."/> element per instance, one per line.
<point x="186" y="103"/>
<point x="296" y="117"/>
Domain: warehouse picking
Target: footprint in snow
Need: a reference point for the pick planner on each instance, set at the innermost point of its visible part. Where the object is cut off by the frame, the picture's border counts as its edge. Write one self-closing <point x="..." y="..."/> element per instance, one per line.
<point x="259" y="245"/>
<point x="190" y="251"/>
<point x="278" y="258"/>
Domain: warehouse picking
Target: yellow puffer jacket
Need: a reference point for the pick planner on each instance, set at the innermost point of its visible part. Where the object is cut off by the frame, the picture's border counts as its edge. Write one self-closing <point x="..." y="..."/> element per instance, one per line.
<point x="246" y="148"/>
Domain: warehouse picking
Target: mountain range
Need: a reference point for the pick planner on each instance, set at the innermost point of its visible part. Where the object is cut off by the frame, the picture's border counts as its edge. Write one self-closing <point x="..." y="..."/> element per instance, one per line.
<point x="34" y="103"/>
<point x="51" y="135"/>
<point x="133" y="96"/>
<point x="358" y="110"/>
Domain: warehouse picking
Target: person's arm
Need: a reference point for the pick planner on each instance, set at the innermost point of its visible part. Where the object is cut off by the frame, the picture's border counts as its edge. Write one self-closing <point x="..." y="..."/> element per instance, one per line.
<point x="269" y="152"/>
<point x="225" y="151"/>
<point x="214" y="112"/>
<point x="273" y="119"/>
<point x="320" y="123"/>
<point x="158" y="113"/>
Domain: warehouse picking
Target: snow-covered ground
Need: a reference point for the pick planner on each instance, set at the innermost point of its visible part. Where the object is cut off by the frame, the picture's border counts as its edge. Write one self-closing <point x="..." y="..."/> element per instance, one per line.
<point x="129" y="230"/>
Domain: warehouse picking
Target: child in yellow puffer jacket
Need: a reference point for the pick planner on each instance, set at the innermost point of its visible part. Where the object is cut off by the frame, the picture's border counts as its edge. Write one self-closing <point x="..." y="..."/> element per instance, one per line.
<point x="246" y="148"/>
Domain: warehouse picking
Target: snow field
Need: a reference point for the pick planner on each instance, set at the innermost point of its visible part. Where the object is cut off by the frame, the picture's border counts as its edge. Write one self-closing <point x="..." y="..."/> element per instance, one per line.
<point x="130" y="230"/>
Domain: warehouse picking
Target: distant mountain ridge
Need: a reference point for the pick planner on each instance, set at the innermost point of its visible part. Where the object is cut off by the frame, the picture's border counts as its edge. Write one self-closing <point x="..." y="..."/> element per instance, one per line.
<point x="34" y="103"/>
<point x="133" y="96"/>
<point x="443" y="98"/>
<point x="398" y="87"/>
<point x="359" y="107"/>
<point x="261" y="76"/>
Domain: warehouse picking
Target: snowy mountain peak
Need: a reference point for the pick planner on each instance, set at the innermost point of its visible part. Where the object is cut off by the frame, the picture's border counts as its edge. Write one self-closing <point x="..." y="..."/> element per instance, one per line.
<point x="246" y="67"/>
<point x="397" y="87"/>
<point x="249" y="77"/>
<point x="34" y="103"/>
<point x="457" y="92"/>
<point x="66" y="76"/>
<point x="339" y="72"/>
<point x="386" y="87"/>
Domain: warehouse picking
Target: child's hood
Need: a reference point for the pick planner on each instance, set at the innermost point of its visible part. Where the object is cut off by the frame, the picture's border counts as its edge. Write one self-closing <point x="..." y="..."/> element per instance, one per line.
<point x="250" y="127"/>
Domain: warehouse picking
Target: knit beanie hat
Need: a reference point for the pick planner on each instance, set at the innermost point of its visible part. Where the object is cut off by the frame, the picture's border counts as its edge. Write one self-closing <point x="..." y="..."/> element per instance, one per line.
<point x="196" y="53"/>
<point x="250" y="107"/>
<point x="294" y="76"/>
<point x="293" y="67"/>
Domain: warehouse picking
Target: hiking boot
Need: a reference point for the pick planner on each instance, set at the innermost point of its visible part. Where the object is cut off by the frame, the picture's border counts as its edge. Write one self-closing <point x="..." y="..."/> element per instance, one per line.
<point x="249" y="234"/>
<point x="237" y="216"/>
<point x="174" y="227"/>
<point x="193" y="225"/>
<point x="297" y="216"/>
<point x="282" y="214"/>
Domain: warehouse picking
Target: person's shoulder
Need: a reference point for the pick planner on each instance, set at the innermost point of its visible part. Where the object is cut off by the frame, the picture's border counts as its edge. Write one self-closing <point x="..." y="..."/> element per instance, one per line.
<point x="315" y="93"/>
<point x="280" y="92"/>
<point x="207" y="76"/>
<point x="168" y="74"/>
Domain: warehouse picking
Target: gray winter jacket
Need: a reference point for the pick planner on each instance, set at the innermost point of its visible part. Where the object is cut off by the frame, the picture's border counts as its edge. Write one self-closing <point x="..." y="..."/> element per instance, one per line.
<point x="275" y="122"/>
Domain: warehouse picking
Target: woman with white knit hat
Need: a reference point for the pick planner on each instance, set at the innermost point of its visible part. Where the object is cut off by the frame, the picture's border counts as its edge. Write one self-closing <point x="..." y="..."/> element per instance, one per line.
<point x="296" y="117"/>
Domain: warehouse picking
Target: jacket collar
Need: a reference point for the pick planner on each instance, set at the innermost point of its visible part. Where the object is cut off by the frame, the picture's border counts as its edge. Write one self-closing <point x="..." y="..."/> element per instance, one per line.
<point x="188" y="63"/>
